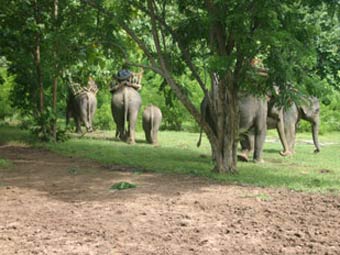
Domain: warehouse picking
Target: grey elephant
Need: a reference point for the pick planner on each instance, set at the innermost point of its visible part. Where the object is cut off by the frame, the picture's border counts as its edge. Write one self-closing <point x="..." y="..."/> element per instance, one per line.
<point x="309" y="110"/>
<point x="152" y="117"/>
<point x="275" y="119"/>
<point x="125" y="105"/>
<point x="253" y="113"/>
<point x="82" y="105"/>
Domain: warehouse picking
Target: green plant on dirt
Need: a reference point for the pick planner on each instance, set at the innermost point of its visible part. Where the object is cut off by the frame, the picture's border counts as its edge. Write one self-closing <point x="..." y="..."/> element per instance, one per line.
<point x="5" y="163"/>
<point x="123" y="185"/>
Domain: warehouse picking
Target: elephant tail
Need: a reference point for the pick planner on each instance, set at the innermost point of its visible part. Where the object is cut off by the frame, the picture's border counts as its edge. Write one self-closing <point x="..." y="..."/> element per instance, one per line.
<point x="88" y="107"/>
<point x="152" y="117"/>
<point x="125" y="99"/>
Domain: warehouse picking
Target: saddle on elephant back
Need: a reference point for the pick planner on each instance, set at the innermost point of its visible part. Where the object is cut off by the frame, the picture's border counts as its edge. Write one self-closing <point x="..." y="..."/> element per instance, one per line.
<point x="129" y="79"/>
<point x="76" y="89"/>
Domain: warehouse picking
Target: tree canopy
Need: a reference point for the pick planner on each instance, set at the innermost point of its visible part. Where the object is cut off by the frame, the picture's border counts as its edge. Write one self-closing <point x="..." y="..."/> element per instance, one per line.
<point x="190" y="49"/>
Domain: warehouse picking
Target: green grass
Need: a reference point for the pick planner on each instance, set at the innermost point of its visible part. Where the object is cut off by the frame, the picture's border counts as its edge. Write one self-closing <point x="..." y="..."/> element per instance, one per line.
<point x="178" y="154"/>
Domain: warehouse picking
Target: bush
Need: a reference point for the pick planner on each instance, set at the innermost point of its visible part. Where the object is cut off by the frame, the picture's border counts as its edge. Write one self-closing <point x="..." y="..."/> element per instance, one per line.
<point x="103" y="118"/>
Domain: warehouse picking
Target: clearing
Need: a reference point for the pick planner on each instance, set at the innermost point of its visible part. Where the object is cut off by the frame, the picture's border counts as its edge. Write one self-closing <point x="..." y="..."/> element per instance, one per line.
<point x="52" y="204"/>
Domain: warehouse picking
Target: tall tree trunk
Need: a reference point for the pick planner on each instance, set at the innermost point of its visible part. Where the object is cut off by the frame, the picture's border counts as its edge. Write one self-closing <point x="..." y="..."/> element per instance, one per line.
<point x="37" y="59"/>
<point x="39" y="73"/>
<point x="224" y="145"/>
<point x="55" y="79"/>
<point x="224" y="96"/>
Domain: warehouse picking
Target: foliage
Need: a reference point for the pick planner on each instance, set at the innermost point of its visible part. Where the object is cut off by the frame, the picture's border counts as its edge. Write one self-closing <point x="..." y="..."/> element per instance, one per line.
<point x="178" y="36"/>
<point x="328" y="49"/>
<point x="6" y="85"/>
<point x="41" y="127"/>
<point x="180" y="44"/>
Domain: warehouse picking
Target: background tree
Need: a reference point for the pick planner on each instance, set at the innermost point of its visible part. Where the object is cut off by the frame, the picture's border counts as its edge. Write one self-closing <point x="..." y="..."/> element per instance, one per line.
<point x="182" y="45"/>
<point x="226" y="35"/>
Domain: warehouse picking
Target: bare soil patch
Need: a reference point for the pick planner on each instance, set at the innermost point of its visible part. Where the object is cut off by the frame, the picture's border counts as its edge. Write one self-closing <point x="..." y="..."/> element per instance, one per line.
<point x="50" y="204"/>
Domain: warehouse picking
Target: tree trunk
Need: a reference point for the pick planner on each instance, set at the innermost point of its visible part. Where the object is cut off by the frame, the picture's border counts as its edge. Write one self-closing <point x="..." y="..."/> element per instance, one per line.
<point x="39" y="74"/>
<point x="55" y="79"/>
<point x="224" y="148"/>
<point x="37" y="59"/>
<point x="54" y="107"/>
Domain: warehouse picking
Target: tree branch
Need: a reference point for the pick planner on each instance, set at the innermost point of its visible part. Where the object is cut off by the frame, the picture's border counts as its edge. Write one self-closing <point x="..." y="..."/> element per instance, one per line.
<point x="129" y="31"/>
<point x="182" y="47"/>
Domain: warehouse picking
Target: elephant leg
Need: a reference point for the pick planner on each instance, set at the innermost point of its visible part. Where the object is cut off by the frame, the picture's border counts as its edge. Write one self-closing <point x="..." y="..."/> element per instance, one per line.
<point x="93" y="108"/>
<point x="148" y="136"/>
<point x="84" y="118"/>
<point x="92" y="111"/>
<point x="132" y="126"/>
<point x="260" y="136"/>
<point x="290" y="133"/>
<point x="280" y="129"/>
<point x="118" y="117"/>
<point x="147" y="129"/>
<point x="155" y="134"/>
<point x="78" y="124"/>
<point x="247" y="146"/>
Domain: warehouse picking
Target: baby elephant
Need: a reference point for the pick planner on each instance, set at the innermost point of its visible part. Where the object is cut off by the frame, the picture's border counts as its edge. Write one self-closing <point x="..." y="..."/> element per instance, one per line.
<point x="152" y="117"/>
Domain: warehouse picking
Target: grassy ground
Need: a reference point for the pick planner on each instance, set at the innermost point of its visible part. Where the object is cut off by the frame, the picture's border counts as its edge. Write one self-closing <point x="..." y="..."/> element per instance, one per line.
<point x="178" y="154"/>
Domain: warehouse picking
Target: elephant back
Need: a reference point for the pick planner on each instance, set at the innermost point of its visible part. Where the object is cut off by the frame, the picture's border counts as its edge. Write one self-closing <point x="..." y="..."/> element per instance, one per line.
<point x="125" y="93"/>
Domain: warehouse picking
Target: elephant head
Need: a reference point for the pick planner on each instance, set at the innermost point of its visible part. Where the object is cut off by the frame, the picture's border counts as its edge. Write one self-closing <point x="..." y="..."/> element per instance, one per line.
<point x="310" y="111"/>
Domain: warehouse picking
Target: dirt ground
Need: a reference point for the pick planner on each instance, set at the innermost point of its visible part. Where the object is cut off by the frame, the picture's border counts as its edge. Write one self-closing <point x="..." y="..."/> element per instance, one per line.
<point x="50" y="204"/>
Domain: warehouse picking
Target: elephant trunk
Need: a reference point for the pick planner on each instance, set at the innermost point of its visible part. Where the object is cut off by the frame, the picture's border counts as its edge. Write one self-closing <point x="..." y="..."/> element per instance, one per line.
<point x="315" y="132"/>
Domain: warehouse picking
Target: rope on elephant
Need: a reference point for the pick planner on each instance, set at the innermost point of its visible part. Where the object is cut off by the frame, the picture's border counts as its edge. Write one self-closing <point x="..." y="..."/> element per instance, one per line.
<point x="134" y="81"/>
<point x="76" y="89"/>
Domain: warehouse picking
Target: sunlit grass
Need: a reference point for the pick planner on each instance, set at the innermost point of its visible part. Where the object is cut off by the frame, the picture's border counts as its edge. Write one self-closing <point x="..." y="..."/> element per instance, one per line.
<point x="178" y="154"/>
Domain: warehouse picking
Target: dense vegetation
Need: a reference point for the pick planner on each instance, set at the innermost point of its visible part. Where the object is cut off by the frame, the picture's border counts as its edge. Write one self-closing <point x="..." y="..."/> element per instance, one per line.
<point x="180" y="44"/>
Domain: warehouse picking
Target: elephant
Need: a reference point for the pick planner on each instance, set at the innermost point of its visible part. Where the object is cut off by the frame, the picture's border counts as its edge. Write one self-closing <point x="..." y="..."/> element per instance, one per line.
<point x="253" y="112"/>
<point x="309" y="110"/>
<point x="82" y="106"/>
<point x="275" y="119"/>
<point x="125" y="105"/>
<point x="152" y="117"/>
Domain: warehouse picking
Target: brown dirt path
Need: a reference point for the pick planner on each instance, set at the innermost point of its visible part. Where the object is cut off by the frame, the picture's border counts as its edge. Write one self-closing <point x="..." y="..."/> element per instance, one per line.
<point x="50" y="204"/>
